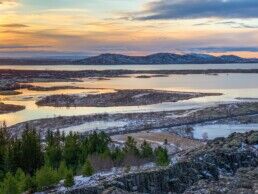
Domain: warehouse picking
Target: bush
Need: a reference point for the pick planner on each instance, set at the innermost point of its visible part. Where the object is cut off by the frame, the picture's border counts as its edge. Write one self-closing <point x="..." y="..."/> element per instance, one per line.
<point x="46" y="177"/>
<point x="117" y="156"/>
<point x="9" y="185"/>
<point x="87" y="169"/>
<point x="62" y="170"/>
<point x="100" y="162"/>
<point x="69" y="181"/>
<point x="15" y="184"/>
<point x="21" y="179"/>
<point x="161" y="156"/>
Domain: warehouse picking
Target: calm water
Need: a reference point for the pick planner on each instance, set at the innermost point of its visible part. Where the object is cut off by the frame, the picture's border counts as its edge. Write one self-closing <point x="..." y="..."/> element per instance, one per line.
<point x="231" y="85"/>
<point x="132" y="67"/>
<point x="214" y="131"/>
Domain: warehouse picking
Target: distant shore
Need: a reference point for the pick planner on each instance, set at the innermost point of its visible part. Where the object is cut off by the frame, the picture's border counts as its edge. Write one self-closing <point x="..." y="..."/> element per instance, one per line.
<point x="11" y="79"/>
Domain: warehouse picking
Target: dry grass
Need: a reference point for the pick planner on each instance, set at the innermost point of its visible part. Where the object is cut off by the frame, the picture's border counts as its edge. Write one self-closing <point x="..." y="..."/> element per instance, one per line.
<point x="158" y="138"/>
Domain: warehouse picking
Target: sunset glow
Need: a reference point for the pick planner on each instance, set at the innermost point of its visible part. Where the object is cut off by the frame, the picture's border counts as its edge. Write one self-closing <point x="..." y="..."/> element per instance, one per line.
<point x="127" y="26"/>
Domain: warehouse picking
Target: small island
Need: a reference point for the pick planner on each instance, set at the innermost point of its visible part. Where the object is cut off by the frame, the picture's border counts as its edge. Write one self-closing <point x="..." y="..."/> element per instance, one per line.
<point x="53" y="88"/>
<point x="119" y="98"/>
<point x="9" y="93"/>
<point x="8" y="108"/>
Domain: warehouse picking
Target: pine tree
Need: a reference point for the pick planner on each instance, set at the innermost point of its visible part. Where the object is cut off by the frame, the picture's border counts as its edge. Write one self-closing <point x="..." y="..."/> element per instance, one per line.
<point x="20" y="178"/>
<point x="72" y="150"/>
<point x="31" y="151"/>
<point x="87" y="169"/>
<point x="130" y="146"/>
<point x="9" y="185"/>
<point x="62" y="170"/>
<point x="162" y="158"/>
<point x="84" y="150"/>
<point x="146" y="150"/>
<point x="69" y="180"/>
<point x="53" y="153"/>
<point x="45" y="177"/>
<point x="4" y="140"/>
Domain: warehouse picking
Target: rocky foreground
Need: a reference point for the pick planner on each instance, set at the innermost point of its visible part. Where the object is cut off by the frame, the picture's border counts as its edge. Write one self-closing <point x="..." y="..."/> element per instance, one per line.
<point x="224" y="165"/>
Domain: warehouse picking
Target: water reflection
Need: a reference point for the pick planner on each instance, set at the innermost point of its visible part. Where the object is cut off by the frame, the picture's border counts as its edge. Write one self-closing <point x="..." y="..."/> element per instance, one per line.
<point x="132" y="67"/>
<point x="221" y="130"/>
<point x="231" y="85"/>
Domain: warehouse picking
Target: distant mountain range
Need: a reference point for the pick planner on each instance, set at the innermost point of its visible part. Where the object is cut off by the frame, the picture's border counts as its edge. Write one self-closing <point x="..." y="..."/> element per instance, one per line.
<point x="162" y="58"/>
<point x="117" y="59"/>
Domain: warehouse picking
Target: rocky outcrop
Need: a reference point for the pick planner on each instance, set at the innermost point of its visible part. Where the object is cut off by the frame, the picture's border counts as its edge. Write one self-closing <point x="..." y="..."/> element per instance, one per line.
<point x="245" y="181"/>
<point x="203" y="166"/>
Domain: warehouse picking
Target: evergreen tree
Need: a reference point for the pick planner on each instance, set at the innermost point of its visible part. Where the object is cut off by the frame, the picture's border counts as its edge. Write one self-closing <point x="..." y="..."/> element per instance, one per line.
<point x="53" y="153"/>
<point x="131" y="146"/>
<point x="20" y="178"/>
<point x="146" y="150"/>
<point x="117" y="155"/>
<point x="87" y="169"/>
<point x="69" y="181"/>
<point x="162" y="158"/>
<point x="72" y="150"/>
<point x="31" y="151"/>
<point x="45" y="177"/>
<point x="9" y="185"/>
<point x="4" y="140"/>
<point x="84" y="150"/>
<point x="13" y="156"/>
<point x="104" y="140"/>
<point x="62" y="170"/>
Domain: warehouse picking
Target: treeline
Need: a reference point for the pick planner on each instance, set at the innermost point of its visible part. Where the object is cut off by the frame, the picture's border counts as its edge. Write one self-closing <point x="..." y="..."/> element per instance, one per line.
<point x="28" y="164"/>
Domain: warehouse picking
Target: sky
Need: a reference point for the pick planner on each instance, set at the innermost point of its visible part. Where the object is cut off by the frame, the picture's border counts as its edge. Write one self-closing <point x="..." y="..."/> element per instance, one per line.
<point x="133" y="27"/>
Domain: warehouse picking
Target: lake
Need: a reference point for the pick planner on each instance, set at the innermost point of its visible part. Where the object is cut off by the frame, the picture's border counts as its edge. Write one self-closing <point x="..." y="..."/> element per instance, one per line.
<point x="133" y="67"/>
<point x="231" y="85"/>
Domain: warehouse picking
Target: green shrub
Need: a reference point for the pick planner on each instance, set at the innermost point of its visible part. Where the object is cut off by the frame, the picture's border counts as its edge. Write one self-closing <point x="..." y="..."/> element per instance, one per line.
<point x="146" y="150"/>
<point x="46" y="177"/>
<point x="9" y="185"/>
<point x="69" y="181"/>
<point x="20" y="178"/>
<point x="62" y="170"/>
<point x="161" y="156"/>
<point x="87" y="169"/>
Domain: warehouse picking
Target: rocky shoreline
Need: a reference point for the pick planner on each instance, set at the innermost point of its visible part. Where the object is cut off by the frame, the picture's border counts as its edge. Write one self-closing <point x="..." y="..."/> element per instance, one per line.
<point x="119" y="98"/>
<point x="170" y="121"/>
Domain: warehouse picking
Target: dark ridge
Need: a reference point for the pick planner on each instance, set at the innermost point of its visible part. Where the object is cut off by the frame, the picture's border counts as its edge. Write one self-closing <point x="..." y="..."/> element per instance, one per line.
<point x="162" y="58"/>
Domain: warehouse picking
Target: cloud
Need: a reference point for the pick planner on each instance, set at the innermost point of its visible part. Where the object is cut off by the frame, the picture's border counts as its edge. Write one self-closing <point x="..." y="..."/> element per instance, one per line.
<point x="193" y="9"/>
<point x="14" y="25"/>
<point x="224" y="49"/>
<point x="3" y="47"/>
<point x="232" y="24"/>
<point x="7" y="1"/>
